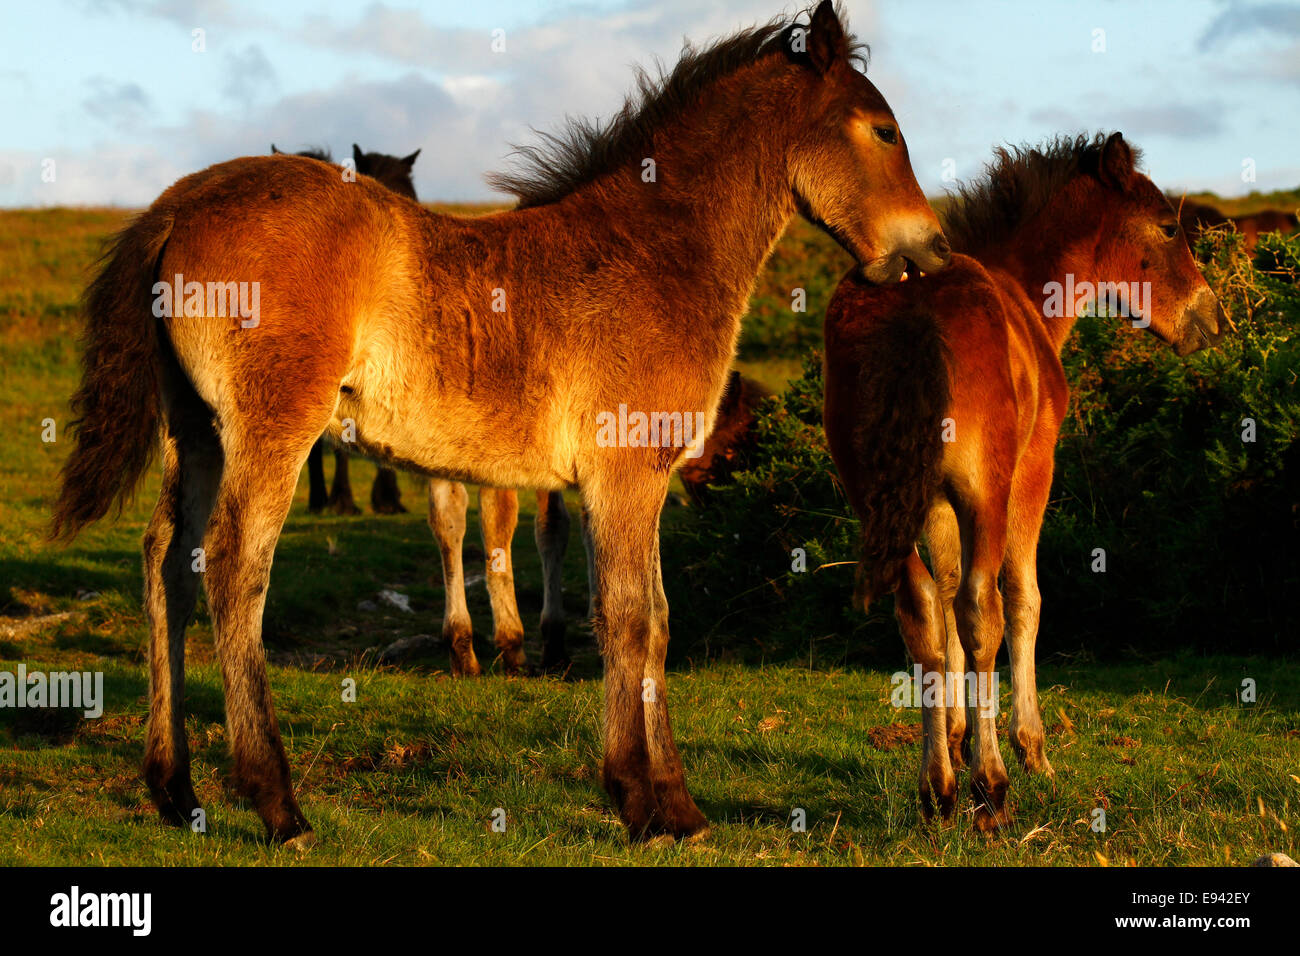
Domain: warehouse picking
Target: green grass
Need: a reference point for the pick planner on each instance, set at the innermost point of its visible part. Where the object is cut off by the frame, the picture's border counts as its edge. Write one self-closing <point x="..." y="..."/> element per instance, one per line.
<point x="413" y="770"/>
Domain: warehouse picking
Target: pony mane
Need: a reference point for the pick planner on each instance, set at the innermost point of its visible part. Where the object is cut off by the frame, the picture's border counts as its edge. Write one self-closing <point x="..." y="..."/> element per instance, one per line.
<point x="318" y="152"/>
<point x="583" y="150"/>
<point x="1016" y="185"/>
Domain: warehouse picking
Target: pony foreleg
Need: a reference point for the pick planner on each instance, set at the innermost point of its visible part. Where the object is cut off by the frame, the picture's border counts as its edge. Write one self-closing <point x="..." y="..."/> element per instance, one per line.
<point x="624" y="516"/>
<point x="498" y="513"/>
<point x="666" y="773"/>
<point x="448" y="504"/>
<point x="551" y="532"/>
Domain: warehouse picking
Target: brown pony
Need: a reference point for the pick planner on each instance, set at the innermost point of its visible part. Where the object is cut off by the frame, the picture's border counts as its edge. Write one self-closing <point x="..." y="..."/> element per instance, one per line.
<point x="944" y="398"/>
<point x="385" y="494"/>
<point x="500" y="350"/>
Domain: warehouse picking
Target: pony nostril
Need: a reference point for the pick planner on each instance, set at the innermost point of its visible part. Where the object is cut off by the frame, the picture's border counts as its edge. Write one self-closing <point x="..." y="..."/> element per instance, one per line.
<point x="939" y="246"/>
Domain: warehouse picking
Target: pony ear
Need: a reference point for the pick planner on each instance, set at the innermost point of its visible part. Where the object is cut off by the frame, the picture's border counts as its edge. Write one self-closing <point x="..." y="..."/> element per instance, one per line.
<point x="1116" y="167"/>
<point x="409" y="161"/>
<point x="274" y="151"/>
<point x="356" y="154"/>
<point x="826" y="40"/>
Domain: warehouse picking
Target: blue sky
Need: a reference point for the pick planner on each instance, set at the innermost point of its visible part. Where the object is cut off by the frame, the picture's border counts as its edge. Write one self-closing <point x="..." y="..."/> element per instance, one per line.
<point x="114" y="94"/>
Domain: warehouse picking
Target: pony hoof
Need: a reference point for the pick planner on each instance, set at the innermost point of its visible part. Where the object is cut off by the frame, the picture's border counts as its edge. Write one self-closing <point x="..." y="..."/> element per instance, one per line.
<point x="294" y="832"/>
<point x="302" y="842"/>
<point x="175" y="801"/>
<point x="558" y="664"/>
<point x="989" y="821"/>
<point x="699" y="836"/>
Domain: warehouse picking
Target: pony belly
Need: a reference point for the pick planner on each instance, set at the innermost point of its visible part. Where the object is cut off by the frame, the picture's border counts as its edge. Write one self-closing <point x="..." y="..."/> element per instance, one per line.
<point x="442" y="452"/>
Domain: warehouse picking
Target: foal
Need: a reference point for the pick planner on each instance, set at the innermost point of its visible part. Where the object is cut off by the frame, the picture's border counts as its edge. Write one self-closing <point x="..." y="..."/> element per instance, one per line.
<point x="944" y="398"/>
<point x="486" y="349"/>
<point x="385" y="493"/>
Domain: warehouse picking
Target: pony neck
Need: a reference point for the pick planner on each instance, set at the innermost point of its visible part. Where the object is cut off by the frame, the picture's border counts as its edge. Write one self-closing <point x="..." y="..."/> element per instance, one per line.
<point x="721" y="196"/>
<point x="1040" y="258"/>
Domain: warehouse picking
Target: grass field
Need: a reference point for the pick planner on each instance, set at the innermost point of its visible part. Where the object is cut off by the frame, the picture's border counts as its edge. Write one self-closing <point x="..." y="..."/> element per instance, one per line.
<point x="413" y="770"/>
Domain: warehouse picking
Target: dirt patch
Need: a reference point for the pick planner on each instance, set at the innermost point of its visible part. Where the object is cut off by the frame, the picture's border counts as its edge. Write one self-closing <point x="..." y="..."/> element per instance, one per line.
<point x="893" y="736"/>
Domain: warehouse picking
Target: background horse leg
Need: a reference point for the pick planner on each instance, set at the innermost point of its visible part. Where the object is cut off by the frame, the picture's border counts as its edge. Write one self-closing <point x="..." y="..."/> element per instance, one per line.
<point x="1029" y="492"/>
<point x="253" y="499"/>
<point x="551" y="532"/>
<point x="498" y="513"/>
<point x="978" y="607"/>
<point x="943" y="541"/>
<point x="317" y="496"/>
<point x="341" y="502"/>
<point x="191" y="471"/>
<point x="386" y="494"/>
<point x="448" y="503"/>
<point x="920" y="618"/>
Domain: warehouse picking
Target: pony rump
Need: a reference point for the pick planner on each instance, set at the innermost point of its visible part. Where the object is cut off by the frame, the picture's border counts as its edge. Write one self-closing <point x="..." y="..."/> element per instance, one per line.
<point x="902" y="395"/>
<point x="116" y="408"/>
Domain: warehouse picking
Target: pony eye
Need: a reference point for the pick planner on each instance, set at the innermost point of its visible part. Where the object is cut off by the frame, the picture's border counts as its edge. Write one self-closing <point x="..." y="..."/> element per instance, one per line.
<point x="887" y="133"/>
<point x="1170" y="230"/>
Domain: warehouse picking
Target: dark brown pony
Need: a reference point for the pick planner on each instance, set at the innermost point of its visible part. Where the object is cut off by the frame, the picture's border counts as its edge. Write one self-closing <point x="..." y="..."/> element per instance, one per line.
<point x="944" y="398"/>
<point x="385" y="493"/>
<point x="492" y="350"/>
<point x="1196" y="217"/>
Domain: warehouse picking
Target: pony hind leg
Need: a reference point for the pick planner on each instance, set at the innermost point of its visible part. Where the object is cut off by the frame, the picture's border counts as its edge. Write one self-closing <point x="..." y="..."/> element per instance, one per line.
<point x="943" y="541"/>
<point x="192" y="464"/>
<point x="551" y="533"/>
<point x="498" y="512"/>
<point x="253" y="499"/>
<point x="920" y="618"/>
<point x="1030" y="490"/>
<point x="448" y="504"/>
<point x="978" y="609"/>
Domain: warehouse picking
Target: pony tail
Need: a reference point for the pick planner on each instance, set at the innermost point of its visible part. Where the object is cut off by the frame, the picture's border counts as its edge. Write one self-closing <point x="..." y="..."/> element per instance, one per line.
<point x="901" y="398"/>
<point x="116" y="408"/>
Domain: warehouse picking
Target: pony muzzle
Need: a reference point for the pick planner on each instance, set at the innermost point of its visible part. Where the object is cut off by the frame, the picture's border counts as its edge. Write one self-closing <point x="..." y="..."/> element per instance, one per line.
<point x="1204" y="324"/>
